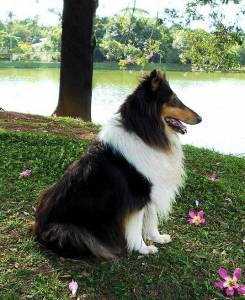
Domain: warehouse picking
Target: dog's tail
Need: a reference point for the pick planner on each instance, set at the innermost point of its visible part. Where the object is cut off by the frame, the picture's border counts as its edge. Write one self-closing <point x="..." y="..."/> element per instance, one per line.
<point x="70" y="240"/>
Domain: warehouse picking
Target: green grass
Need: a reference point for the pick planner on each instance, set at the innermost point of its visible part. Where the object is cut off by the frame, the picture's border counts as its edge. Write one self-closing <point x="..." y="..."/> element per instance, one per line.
<point x="147" y="67"/>
<point x="184" y="269"/>
<point x="97" y="66"/>
<point x="29" y="64"/>
<point x="103" y="66"/>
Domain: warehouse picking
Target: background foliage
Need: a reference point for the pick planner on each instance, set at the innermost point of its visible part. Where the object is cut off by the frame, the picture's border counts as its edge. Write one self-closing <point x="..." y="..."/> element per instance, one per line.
<point x="133" y="38"/>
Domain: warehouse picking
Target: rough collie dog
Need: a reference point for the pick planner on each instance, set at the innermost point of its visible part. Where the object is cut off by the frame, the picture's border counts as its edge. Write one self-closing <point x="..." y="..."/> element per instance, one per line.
<point x="108" y="203"/>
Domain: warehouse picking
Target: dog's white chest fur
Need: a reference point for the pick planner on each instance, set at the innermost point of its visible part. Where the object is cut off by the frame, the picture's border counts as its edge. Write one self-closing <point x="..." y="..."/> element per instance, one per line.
<point x="163" y="169"/>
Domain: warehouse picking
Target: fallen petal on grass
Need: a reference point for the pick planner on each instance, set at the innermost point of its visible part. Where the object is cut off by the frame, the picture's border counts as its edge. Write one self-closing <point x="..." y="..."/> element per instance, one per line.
<point x="26" y="173"/>
<point x="73" y="286"/>
<point x="237" y="273"/>
<point x="223" y="273"/>
<point x="230" y="285"/>
<point x="214" y="176"/>
<point x="241" y="289"/>
<point x="196" y="217"/>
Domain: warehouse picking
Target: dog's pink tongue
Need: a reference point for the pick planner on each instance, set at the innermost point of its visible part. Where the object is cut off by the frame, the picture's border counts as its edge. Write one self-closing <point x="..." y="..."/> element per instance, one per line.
<point x="182" y="128"/>
<point x="177" y="125"/>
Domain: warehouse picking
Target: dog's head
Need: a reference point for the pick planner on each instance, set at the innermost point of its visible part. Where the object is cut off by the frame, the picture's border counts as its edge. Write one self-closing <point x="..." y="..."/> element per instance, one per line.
<point x="153" y="108"/>
<point x="173" y="111"/>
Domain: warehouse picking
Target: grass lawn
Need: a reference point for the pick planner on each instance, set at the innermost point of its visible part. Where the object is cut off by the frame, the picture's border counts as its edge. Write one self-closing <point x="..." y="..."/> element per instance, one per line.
<point x="97" y="66"/>
<point x="184" y="269"/>
<point x="104" y="66"/>
<point x="28" y="64"/>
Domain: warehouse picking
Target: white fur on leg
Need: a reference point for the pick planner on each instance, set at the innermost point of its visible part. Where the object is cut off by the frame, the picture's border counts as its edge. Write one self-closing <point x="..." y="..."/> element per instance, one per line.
<point x="150" y="227"/>
<point x="162" y="239"/>
<point x="133" y="232"/>
<point x="148" y="249"/>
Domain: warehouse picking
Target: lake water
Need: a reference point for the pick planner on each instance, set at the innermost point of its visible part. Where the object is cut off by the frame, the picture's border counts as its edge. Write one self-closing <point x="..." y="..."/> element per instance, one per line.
<point x="218" y="98"/>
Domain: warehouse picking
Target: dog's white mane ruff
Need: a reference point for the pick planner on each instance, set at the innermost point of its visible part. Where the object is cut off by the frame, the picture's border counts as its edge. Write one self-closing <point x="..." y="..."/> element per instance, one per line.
<point x="164" y="169"/>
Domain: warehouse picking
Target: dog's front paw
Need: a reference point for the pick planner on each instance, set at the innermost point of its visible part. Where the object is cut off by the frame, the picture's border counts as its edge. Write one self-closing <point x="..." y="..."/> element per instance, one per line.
<point x="148" y="249"/>
<point x="162" y="239"/>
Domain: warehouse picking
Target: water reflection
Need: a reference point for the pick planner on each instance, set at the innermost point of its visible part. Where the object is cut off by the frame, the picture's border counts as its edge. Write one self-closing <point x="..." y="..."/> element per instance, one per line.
<point x="218" y="98"/>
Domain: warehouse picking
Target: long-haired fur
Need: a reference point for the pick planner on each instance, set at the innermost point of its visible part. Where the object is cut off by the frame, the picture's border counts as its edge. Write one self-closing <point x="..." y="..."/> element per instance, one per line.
<point x="108" y="202"/>
<point x="141" y="112"/>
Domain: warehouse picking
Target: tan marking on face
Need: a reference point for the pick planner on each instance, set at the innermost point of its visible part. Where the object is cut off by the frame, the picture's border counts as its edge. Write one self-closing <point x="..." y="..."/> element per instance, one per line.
<point x="183" y="114"/>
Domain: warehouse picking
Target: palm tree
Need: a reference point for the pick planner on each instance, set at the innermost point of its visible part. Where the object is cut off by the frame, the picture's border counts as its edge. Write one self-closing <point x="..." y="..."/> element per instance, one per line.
<point x="10" y="17"/>
<point x="77" y="45"/>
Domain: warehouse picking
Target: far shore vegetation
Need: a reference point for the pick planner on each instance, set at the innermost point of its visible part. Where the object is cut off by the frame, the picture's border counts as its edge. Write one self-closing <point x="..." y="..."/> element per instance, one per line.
<point x="106" y="66"/>
<point x="97" y="66"/>
<point x="132" y="40"/>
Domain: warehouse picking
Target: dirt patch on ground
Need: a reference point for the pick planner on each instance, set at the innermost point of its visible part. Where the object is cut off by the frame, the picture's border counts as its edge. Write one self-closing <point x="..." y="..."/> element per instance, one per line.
<point x="10" y="116"/>
<point x="74" y="128"/>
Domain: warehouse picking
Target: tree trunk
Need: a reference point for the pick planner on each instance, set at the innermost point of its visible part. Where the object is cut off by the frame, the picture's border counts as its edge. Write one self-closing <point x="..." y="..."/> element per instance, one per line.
<point x="76" y="70"/>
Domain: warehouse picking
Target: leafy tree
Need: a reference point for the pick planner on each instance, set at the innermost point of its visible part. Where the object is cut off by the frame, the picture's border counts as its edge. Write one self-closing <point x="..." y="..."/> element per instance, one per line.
<point x="4" y="40"/>
<point x="25" y="49"/>
<point x="135" y="39"/>
<point x="28" y="30"/>
<point x="112" y="49"/>
<point x="208" y="51"/>
<point x="131" y="39"/>
<point x="241" y="53"/>
<point x="100" y="29"/>
<point x="52" y="42"/>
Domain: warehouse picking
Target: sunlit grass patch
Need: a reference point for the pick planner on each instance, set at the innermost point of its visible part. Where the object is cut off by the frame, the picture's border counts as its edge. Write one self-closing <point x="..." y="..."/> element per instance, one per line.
<point x="184" y="269"/>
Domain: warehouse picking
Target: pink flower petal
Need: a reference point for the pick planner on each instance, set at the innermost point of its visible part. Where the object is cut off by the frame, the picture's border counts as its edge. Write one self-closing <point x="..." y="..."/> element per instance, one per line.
<point x="192" y="213"/>
<point x="237" y="273"/>
<point x="201" y="213"/>
<point x="26" y="173"/>
<point x="229" y="291"/>
<point x="214" y="176"/>
<point x="73" y="286"/>
<point x="203" y="221"/>
<point x="223" y="273"/>
<point x="219" y="285"/>
<point x="241" y="289"/>
<point x="191" y="221"/>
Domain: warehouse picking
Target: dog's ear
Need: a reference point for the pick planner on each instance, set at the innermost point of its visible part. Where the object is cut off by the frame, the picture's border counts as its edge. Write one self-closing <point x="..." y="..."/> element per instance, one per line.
<point x="157" y="78"/>
<point x="153" y="73"/>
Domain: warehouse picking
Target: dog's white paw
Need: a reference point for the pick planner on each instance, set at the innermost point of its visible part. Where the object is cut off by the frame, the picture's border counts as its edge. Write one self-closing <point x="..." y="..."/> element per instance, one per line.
<point x="162" y="239"/>
<point x="148" y="249"/>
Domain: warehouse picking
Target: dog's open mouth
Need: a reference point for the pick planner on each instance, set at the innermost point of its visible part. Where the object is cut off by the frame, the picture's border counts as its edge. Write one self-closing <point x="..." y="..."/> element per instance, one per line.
<point x="176" y="125"/>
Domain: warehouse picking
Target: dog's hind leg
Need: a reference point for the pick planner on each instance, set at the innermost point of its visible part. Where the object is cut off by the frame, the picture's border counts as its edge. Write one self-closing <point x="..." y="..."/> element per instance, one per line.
<point x="70" y="238"/>
<point x="150" y="227"/>
<point x="133" y="234"/>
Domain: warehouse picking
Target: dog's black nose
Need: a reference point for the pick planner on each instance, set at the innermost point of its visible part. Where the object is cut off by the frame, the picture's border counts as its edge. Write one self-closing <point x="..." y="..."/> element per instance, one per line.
<point x="199" y="119"/>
